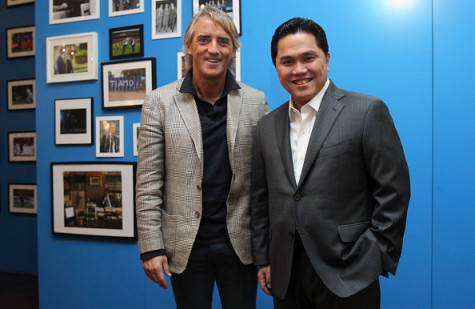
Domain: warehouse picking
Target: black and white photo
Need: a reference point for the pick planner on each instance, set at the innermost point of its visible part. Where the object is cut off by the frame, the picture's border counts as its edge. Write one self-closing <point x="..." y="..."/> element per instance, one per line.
<point x="231" y="7"/>
<point x="21" y="42"/>
<point x="124" y="7"/>
<point x="64" y="11"/>
<point x="21" y="94"/>
<point x="110" y="136"/>
<point x="22" y="198"/>
<point x="22" y="146"/>
<point x="166" y="19"/>
<point x="73" y="121"/>
<point x="126" y="42"/>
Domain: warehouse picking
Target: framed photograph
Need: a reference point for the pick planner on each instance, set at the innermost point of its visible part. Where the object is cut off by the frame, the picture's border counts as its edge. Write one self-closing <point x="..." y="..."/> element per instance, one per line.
<point x="65" y="11"/>
<point x="11" y="3"/>
<point x="231" y="7"/>
<point x="22" y="198"/>
<point x="135" y="133"/>
<point x="21" y="94"/>
<point x="20" y="42"/>
<point x="125" y="83"/>
<point x="166" y="19"/>
<point x="73" y="121"/>
<point x="71" y="58"/>
<point x="124" y="7"/>
<point x="110" y="136"/>
<point x="94" y="199"/>
<point x="126" y="42"/>
<point x="22" y="146"/>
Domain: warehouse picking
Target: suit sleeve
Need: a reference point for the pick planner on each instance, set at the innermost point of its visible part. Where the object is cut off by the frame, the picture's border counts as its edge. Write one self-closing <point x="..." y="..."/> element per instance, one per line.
<point x="150" y="176"/>
<point x="259" y="205"/>
<point x="387" y="168"/>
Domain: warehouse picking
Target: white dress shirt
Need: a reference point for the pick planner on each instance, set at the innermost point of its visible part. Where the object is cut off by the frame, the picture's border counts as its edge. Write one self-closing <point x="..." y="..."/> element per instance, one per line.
<point x="301" y="125"/>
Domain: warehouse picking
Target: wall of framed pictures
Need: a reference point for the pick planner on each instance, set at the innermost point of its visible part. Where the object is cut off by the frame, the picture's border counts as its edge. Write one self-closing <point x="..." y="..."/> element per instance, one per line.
<point x="18" y="188"/>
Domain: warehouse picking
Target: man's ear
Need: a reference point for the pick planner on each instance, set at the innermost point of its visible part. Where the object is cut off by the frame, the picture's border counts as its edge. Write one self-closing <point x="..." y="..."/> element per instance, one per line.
<point x="327" y="58"/>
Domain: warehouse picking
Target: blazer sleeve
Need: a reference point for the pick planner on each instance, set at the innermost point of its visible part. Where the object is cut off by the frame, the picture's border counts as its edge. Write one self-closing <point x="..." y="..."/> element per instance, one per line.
<point x="387" y="168"/>
<point x="150" y="176"/>
<point x="259" y="205"/>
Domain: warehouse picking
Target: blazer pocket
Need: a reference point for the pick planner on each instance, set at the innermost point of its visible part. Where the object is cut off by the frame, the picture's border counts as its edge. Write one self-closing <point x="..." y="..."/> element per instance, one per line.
<point x="351" y="232"/>
<point x="336" y="149"/>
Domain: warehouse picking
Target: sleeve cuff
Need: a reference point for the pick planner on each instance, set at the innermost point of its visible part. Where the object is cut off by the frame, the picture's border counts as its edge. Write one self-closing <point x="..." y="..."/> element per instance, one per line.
<point x="151" y="254"/>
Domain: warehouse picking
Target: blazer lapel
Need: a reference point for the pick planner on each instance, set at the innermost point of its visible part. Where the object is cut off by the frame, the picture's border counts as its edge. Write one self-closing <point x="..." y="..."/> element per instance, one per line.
<point x="326" y="116"/>
<point x="282" y="131"/>
<point x="189" y="113"/>
<point x="232" y="119"/>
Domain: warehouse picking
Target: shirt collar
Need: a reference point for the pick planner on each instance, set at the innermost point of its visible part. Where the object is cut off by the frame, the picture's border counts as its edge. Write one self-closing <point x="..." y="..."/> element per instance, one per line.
<point x="229" y="85"/>
<point x="314" y="103"/>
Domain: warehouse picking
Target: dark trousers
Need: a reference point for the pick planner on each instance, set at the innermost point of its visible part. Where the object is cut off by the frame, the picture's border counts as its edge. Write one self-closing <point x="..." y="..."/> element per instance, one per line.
<point x="237" y="283"/>
<point x="307" y="291"/>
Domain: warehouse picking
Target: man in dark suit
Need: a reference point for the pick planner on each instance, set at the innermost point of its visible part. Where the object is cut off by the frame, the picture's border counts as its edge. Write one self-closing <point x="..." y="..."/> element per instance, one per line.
<point x="330" y="184"/>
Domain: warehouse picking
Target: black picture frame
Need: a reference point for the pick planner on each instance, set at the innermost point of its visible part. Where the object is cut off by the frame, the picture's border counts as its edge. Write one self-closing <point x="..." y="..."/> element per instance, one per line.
<point x="122" y="39"/>
<point x="120" y="90"/>
<point x="73" y="118"/>
<point x="104" y="208"/>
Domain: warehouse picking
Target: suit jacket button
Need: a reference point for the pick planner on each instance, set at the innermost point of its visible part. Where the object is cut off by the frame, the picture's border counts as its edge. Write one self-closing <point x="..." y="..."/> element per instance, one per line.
<point x="197" y="214"/>
<point x="198" y="187"/>
<point x="297" y="196"/>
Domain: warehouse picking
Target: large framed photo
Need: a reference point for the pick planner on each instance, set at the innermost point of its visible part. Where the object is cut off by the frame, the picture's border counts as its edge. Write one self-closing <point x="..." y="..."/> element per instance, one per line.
<point x="22" y="198"/>
<point x="21" y="94"/>
<point x="65" y="11"/>
<point x="11" y="3"/>
<point x="94" y="199"/>
<point x="110" y="136"/>
<point x="22" y="146"/>
<point x="71" y="58"/>
<point x="124" y="7"/>
<point x="166" y="19"/>
<point x="231" y="7"/>
<point x="73" y="121"/>
<point x="21" y="42"/>
<point x="126" y="42"/>
<point x="125" y="83"/>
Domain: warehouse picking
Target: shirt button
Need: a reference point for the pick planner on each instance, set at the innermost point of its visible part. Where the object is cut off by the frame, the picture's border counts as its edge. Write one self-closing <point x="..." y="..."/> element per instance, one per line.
<point x="297" y="197"/>
<point x="197" y="214"/>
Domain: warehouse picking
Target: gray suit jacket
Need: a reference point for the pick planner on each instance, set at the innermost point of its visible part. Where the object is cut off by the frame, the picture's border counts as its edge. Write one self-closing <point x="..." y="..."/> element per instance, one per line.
<point x="350" y="204"/>
<point x="170" y="170"/>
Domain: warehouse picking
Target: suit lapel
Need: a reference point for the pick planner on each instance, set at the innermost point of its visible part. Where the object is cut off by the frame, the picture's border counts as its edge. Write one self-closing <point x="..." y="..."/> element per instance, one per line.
<point x="326" y="116"/>
<point x="282" y="131"/>
<point x="189" y="113"/>
<point x="232" y="119"/>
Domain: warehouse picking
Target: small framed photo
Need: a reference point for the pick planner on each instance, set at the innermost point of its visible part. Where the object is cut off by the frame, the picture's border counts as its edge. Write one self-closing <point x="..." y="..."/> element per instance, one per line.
<point x="65" y="11"/>
<point x="110" y="136"/>
<point x="22" y="198"/>
<point x="71" y="58"/>
<point x="11" y="3"/>
<point x="166" y="19"/>
<point x="126" y="42"/>
<point x="124" y="7"/>
<point x="126" y="83"/>
<point x="181" y="68"/>
<point x="235" y="66"/>
<point x="22" y="146"/>
<point x="21" y="42"/>
<point x="21" y="94"/>
<point x="135" y="133"/>
<point x="73" y="121"/>
<point x="231" y="7"/>
<point x="94" y="199"/>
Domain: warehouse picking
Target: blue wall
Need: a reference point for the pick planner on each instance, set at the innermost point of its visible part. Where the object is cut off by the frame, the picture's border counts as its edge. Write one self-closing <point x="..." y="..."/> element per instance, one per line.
<point x="376" y="48"/>
<point x="17" y="232"/>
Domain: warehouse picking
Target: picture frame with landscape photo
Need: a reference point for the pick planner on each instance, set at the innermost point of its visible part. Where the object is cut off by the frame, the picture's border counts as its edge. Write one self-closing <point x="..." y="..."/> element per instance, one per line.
<point x="22" y="146"/>
<point x="109" y="136"/>
<point x="230" y="7"/>
<point x="71" y="58"/>
<point x="125" y="7"/>
<point x="20" y="42"/>
<point x="65" y="11"/>
<point x="13" y="3"/>
<point x="22" y="198"/>
<point x="21" y="94"/>
<point x="166" y="19"/>
<point x="94" y="199"/>
<point x="126" y="42"/>
<point x="73" y="121"/>
<point x="126" y="83"/>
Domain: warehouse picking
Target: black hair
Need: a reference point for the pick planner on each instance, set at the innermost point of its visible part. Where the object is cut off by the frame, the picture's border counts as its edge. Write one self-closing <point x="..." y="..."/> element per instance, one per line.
<point x="295" y="25"/>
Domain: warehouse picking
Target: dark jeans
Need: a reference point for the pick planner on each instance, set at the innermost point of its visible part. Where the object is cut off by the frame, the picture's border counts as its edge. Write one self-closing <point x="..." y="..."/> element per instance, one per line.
<point x="237" y="283"/>
<point x="307" y="291"/>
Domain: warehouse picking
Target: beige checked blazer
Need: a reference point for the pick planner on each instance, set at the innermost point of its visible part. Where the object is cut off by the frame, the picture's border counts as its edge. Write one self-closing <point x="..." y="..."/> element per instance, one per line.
<point x="170" y="170"/>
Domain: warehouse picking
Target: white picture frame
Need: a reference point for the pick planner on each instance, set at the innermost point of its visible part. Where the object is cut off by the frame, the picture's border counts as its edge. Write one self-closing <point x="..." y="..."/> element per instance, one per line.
<point x="22" y="198"/>
<point x="20" y="42"/>
<point x="109" y="144"/>
<point x="68" y="60"/>
<point x="164" y="27"/>
<point x="22" y="146"/>
<point x="135" y="137"/>
<point x="21" y="94"/>
<point x="73" y="11"/>
<point x="73" y="121"/>
<point x="12" y="3"/>
<point x="114" y="10"/>
<point x="231" y="7"/>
